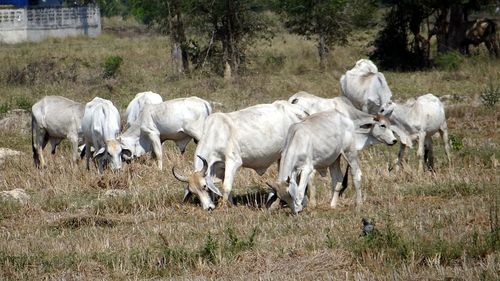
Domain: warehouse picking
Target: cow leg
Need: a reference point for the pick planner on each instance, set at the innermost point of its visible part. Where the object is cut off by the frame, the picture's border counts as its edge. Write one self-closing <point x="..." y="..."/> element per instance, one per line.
<point x="54" y="142"/>
<point x="352" y="158"/>
<point x="337" y="177"/>
<point x="401" y="155"/>
<point x="39" y="142"/>
<point x="429" y="153"/>
<point x="74" y="148"/>
<point x="420" y="151"/>
<point x="301" y="189"/>
<point x="156" y="147"/>
<point x="182" y="144"/>
<point x="443" y="131"/>
<point x="231" y="167"/>
<point x="311" y="188"/>
<point x="88" y="154"/>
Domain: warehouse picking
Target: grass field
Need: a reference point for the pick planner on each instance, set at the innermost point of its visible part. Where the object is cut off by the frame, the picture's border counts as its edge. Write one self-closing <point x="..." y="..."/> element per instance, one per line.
<point x="432" y="226"/>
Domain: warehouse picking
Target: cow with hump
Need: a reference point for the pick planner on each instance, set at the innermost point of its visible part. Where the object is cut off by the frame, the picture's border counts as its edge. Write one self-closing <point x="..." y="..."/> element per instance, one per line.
<point x="179" y="120"/>
<point x="137" y="104"/>
<point x="252" y="138"/>
<point x="101" y="126"/>
<point x="317" y="144"/>
<point x="53" y="119"/>
<point x="365" y="87"/>
<point x="418" y="120"/>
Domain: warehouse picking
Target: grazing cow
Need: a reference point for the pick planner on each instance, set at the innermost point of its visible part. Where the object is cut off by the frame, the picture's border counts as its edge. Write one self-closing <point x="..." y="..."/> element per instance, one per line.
<point x="53" y="119"/>
<point x="252" y="137"/>
<point x="418" y="119"/>
<point x="482" y="31"/>
<point x="365" y="87"/>
<point x="313" y="104"/>
<point x="101" y="126"/>
<point x="179" y="120"/>
<point x="318" y="142"/>
<point x="138" y="103"/>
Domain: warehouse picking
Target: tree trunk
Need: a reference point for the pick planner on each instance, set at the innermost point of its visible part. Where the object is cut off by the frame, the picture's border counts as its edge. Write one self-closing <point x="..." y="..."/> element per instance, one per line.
<point x="178" y="52"/>
<point x="456" y="29"/>
<point x="322" y="50"/>
<point x="440" y="29"/>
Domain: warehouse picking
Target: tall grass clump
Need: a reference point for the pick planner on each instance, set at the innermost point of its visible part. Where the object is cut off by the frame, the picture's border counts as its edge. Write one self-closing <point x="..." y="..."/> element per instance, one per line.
<point x="490" y="95"/>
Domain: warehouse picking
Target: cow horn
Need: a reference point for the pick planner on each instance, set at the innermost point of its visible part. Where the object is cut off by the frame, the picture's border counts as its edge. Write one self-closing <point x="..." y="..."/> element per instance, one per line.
<point x="205" y="164"/>
<point x="187" y="195"/>
<point x="211" y="186"/>
<point x="179" y="177"/>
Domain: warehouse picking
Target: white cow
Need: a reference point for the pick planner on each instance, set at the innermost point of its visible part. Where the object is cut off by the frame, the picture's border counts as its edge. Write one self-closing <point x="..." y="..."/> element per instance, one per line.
<point x="101" y="126"/>
<point x="365" y="87"/>
<point x="317" y="143"/>
<point x="53" y="119"/>
<point x="252" y="137"/>
<point x="137" y="104"/>
<point x="179" y="120"/>
<point x="418" y="120"/>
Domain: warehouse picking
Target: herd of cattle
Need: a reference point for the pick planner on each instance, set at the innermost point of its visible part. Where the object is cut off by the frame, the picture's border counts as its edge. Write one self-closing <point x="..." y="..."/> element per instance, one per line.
<point x="304" y="134"/>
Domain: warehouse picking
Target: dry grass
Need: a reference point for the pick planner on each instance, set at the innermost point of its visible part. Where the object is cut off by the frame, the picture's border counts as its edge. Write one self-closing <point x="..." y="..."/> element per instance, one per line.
<point x="441" y="225"/>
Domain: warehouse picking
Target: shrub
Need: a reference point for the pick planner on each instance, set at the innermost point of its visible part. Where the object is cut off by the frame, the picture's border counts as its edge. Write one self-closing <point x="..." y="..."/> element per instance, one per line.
<point x="456" y="142"/>
<point x="490" y="95"/>
<point x="111" y="66"/>
<point x="449" y="61"/>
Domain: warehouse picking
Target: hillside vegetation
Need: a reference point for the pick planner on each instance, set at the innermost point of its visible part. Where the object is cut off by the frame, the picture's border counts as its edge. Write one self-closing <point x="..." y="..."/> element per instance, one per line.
<point x="431" y="226"/>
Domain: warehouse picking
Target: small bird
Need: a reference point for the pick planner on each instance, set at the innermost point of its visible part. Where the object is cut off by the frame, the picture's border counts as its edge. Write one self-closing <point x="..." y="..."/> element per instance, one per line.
<point x="368" y="227"/>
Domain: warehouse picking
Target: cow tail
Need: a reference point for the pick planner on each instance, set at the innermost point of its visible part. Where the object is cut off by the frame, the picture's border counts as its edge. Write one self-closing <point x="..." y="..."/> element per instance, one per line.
<point x="344" y="181"/>
<point x="36" y="157"/>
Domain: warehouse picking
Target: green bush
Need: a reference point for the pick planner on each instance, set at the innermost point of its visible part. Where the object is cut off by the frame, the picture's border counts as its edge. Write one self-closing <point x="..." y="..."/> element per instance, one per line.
<point x="456" y="142"/>
<point x="111" y="66"/>
<point x="450" y="61"/>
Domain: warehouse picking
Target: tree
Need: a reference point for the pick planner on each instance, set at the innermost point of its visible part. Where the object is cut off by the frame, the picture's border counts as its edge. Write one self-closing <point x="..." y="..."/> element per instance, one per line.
<point x="168" y="16"/>
<point x="325" y="21"/>
<point x="400" y="44"/>
<point x="229" y="27"/>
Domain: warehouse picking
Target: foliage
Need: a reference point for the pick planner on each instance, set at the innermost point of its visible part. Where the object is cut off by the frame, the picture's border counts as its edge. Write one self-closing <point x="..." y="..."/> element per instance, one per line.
<point x="325" y="21"/>
<point x="490" y="94"/>
<point x="449" y="61"/>
<point x="456" y="142"/>
<point x="111" y="66"/>
<point x="362" y="13"/>
<point x="392" y="50"/>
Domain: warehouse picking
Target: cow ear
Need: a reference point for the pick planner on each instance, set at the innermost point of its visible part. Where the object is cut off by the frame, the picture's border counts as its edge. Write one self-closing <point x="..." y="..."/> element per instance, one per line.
<point x="187" y="195"/>
<point x="126" y="154"/>
<point x="99" y="152"/>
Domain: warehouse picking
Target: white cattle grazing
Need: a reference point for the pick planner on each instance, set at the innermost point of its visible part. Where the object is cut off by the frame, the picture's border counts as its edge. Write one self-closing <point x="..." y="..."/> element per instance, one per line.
<point x="179" y="120"/>
<point x="317" y="143"/>
<point x="418" y="120"/>
<point x="365" y="87"/>
<point x="138" y="103"/>
<point x="101" y="126"/>
<point x="252" y="137"/>
<point x="314" y="104"/>
<point x="53" y="119"/>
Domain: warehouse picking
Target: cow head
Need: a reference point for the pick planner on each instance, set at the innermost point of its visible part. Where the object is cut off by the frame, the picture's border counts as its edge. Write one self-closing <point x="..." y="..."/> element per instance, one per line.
<point x="380" y="128"/>
<point x="286" y="191"/>
<point x="201" y="184"/>
<point x="387" y="108"/>
<point x="112" y="153"/>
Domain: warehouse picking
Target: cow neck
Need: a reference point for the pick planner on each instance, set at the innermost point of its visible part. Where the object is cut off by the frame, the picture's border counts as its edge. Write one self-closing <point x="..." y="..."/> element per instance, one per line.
<point x="397" y="117"/>
<point x="363" y="140"/>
